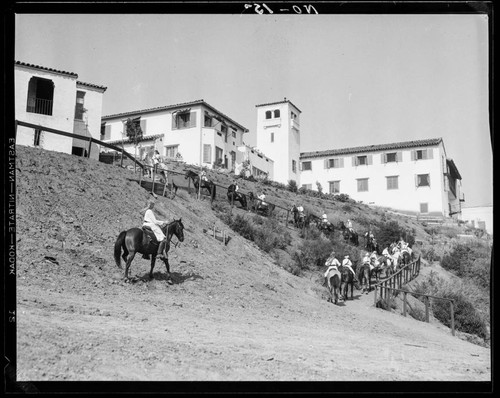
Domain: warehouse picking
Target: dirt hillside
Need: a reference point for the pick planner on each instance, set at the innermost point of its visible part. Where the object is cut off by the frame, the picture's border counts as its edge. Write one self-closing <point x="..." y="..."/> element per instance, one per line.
<point x="231" y="313"/>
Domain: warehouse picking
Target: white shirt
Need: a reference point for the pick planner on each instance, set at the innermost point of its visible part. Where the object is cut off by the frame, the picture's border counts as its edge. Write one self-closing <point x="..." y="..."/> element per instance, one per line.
<point x="346" y="262"/>
<point x="300" y="209"/>
<point x="332" y="261"/>
<point x="149" y="217"/>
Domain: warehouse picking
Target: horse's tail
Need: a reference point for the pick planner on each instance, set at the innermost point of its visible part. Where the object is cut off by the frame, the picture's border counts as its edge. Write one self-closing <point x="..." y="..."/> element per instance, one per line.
<point x="118" y="247"/>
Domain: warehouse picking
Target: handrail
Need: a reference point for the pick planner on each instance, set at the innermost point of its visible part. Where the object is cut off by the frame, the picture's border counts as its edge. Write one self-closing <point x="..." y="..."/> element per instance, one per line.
<point x="80" y="137"/>
<point x="408" y="273"/>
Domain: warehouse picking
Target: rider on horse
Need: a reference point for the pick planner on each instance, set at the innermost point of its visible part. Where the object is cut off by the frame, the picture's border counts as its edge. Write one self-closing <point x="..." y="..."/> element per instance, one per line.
<point x="332" y="263"/>
<point x="151" y="222"/>
<point x="262" y="205"/>
<point x="346" y="262"/>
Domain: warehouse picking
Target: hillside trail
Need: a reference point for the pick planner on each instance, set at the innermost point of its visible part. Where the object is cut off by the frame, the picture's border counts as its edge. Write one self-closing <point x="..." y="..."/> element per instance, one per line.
<point x="231" y="313"/>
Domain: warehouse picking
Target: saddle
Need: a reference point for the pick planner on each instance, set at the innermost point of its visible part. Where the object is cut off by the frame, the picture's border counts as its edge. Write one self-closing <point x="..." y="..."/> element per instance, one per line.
<point x="149" y="237"/>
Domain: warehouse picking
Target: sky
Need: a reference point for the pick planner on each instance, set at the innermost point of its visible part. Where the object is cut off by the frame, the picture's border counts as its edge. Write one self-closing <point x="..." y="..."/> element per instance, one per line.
<point x="358" y="79"/>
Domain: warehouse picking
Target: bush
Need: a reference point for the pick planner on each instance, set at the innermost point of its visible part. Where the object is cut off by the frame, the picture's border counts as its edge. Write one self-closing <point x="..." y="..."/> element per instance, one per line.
<point x="467" y="319"/>
<point x="387" y="304"/>
<point x="292" y="186"/>
<point x="390" y="232"/>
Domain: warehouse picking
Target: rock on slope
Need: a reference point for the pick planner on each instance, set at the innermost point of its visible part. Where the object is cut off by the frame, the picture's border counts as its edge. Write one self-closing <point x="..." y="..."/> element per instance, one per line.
<point x="231" y="314"/>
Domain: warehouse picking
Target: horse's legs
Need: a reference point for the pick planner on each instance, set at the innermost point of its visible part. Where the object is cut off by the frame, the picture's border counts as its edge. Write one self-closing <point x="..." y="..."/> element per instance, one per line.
<point x="125" y="254"/>
<point x="129" y="261"/>
<point x="153" y="260"/>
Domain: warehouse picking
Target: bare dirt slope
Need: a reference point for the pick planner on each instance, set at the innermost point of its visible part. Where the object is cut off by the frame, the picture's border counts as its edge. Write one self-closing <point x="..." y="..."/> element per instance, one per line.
<point x="231" y="313"/>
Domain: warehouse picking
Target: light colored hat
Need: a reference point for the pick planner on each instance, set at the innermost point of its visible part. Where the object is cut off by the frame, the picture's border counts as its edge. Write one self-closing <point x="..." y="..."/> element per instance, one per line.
<point x="346" y="256"/>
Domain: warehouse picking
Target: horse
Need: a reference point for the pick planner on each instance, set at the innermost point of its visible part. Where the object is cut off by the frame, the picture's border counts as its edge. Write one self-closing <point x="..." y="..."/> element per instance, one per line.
<point x="207" y="184"/>
<point x="381" y="267"/>
<point x="137" y="240"/>
<point x="333" y="282"/>
<point x="234" y="196"/>
<point x="349" y="235"/>
<point x="256" y="205"/>
<point x="363" y="274"/>
<point x="371" y="244"/>
<point x="406" y="258"/>
<point x="324" y="226"/>
<point x="298" y="217"/>
<point x="346" y="280"/>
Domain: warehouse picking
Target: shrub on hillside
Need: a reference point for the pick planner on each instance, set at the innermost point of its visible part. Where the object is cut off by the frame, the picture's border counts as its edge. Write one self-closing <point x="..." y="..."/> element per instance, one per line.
<point x="390" y="232"/>
<point x="469" y="260"/>
<point x="467" y="319"/>
<point x="312" y="253"/>
<point x="292" y="186"/>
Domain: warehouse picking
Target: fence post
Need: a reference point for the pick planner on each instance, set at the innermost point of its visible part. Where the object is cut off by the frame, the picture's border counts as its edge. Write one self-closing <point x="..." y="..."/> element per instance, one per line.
<point x="90" y="146"/>
<point x="426" y="309"/>
<point x="404" y="304"/>
<point x="375" y="297"/>
<point x="452" y="311"/>
<point x="153" y="173"/>
<point x="121" y="160"/>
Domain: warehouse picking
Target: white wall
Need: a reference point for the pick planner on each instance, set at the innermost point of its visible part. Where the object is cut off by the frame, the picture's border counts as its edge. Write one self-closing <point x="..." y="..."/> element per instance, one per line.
<point x="62" y="111"/>
<point x="407" y="197"/>
<point x="286" y="145"/>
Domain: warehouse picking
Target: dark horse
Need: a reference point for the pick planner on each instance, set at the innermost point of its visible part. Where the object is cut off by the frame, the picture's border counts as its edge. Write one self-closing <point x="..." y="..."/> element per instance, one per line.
<point x="256" y="205"/>
<point x="324" y="226"/>
<point x="349" y="236"/>
<point x="346" y="280"/>
<point x="208" y="185"/>
<point x="234" y="196"/>
<point x="299" y="218"/>
<point x="371" y="244"/>
<point x="137" y="240"/>
<point x="333" y="283"/>
<point x="363" y="274"/>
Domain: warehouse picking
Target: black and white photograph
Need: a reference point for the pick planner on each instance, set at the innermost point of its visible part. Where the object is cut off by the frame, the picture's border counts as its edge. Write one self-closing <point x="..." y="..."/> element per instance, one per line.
<point x="249" y="192"/>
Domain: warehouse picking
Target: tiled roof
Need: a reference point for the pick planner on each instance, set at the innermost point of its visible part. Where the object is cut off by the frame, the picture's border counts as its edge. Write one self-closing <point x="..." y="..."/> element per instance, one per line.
<point x="144" y="138"/>
<point x="169" y="107"/>
<point x="372" y="148"/>
<point x="46" y="69"/>
<point x="279" y="102"/>
<point x="92" y="85"/>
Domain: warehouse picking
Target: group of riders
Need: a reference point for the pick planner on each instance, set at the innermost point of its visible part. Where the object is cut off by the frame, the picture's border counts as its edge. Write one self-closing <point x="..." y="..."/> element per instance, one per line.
<point x="390" y="259"/>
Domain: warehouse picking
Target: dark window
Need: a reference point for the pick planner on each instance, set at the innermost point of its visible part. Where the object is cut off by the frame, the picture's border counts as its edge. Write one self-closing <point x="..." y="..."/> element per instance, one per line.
<point x="421" y="154"/>
<point x="294" y="166"/>
<point x="268" y="115"/>
<point x="306" y="166"/>
<point x="424" y="207"/>
<point x="184" y="120"/>
<point x="361" y="160"/>
<point x="40" y="96"/>
<point x="423" y="180"/>
<point x="208" y="121"/>
<point x="391" y="157"/>
<point x="272" y="137"/>
<point x="276" y="113"/>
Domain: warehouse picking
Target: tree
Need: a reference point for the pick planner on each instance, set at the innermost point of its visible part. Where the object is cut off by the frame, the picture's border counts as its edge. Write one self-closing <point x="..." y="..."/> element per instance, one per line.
<point x="134" y="133"/>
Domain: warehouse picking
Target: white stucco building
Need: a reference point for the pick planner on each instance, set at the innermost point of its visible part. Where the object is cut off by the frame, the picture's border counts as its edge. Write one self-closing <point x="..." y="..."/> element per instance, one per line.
<point x="197" y="131"/>
<point x="412" y="176"/>
<point x="278" y="136"/>
<point x="57" y="100"/>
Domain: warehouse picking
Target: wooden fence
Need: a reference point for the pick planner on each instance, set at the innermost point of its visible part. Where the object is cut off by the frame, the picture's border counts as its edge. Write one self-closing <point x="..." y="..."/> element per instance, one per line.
<point x="391" y="286"/>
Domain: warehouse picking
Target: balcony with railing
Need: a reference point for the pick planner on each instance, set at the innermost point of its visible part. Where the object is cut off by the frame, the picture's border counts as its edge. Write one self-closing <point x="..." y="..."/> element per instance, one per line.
<point x="294" y="124"/>
<point x="40" y="105"/>
<point x="274" y="122"/>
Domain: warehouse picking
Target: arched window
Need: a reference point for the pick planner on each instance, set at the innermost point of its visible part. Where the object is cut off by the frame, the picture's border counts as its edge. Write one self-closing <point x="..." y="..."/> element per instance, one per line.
<point x="40" y="96"/>
<point x="268" y="115"/>
<point x="276" y="113"/>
